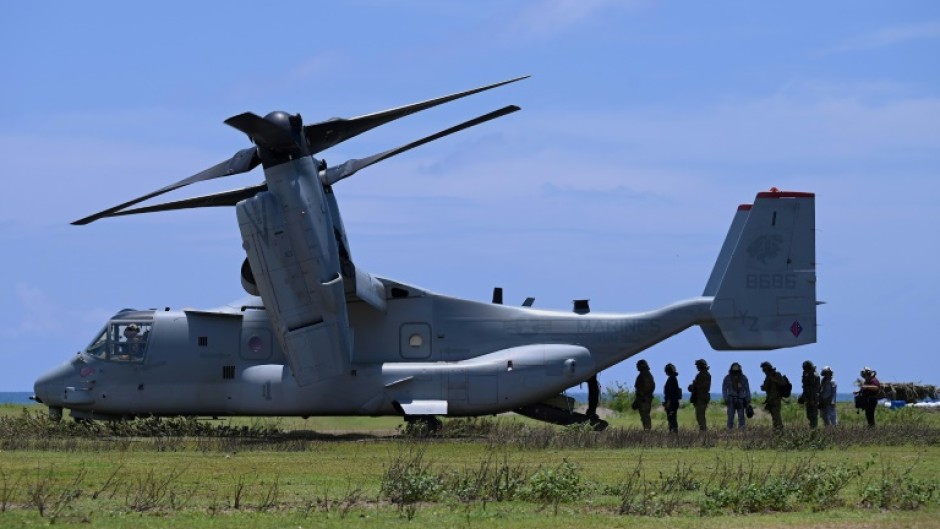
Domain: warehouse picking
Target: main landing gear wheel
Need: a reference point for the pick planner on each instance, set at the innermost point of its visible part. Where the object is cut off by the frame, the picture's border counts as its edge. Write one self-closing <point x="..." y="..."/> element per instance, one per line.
<point x="422" y="424"/>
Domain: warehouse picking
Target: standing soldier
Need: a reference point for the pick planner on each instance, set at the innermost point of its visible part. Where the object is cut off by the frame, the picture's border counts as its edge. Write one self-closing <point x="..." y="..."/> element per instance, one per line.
<point x="827" y="397"/>
<point x="869" y="392"/>
<point x="594" y="397"/>
<point x="810" y="396"/>
<point x="736" y="392"/>
<point x="644" y="387"/>
<point x="672" y="394"/>
<point x="700" y="388"/>
<point x="773" y="384"/>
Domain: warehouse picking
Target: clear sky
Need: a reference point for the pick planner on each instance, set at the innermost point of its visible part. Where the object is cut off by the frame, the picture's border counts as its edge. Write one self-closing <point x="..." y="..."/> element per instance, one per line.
<point x="643" y="126"/>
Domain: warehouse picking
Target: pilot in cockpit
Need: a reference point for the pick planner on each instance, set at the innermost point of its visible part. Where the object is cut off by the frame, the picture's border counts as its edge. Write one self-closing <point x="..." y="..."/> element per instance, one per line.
<point x="133" y="348"/>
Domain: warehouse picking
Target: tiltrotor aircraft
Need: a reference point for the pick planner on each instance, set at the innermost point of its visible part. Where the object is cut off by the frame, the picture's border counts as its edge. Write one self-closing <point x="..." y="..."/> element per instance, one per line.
<point x="320" y="336"/>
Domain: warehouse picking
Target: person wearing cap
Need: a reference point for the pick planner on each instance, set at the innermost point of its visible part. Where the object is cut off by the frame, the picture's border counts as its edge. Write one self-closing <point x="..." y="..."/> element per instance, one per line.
<point x="736" y="392"/>
<point x="773" y="381"/>
<point x="870" y="391"/>
<point x="672" y="394"/>
<point x="827" y="397"/>
<point x="810" y="396"/>
<point x="644" y="388"/>
<point x="133" y="347"/>
<point x="701" y="388"/>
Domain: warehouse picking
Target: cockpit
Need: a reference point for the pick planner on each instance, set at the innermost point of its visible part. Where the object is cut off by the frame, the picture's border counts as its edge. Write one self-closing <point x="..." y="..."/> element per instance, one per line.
<point x="124" y="338"/>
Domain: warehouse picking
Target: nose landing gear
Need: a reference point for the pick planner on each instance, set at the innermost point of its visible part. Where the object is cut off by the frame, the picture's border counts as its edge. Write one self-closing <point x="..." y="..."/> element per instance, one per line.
<point x="55" y="413"/>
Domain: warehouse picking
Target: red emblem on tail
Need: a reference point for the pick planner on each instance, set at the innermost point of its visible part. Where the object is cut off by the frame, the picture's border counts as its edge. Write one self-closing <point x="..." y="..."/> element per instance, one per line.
<point x="796" y="329"/>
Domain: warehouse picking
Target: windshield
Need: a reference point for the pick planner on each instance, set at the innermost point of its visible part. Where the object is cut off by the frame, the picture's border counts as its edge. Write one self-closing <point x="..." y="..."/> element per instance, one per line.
<point x="122" y="340"/>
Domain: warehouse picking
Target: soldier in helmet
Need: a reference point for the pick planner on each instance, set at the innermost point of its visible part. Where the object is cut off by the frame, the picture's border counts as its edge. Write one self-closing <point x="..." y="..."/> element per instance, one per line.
<point x="869" y="391"/>
<point x="810" y="396"/>
<point x="672" y="394"/>
<point x="827" y="397"/>
<point x="736" y="392"/>
<point x="773" y="384"/>
<point x="644" y="387"/>
<point x="701" y="388"/>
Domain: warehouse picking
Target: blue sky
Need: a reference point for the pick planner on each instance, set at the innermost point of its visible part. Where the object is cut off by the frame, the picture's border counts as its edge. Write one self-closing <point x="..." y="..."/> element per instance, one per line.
<point x="643" y="126"/>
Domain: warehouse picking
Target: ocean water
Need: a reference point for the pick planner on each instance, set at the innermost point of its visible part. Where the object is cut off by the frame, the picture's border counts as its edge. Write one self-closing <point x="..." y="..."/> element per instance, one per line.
<point x="16" y="397"/>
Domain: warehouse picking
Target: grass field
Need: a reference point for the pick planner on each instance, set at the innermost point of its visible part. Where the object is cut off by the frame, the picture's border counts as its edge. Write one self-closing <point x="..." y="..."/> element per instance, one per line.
<point x="492" y="472"/>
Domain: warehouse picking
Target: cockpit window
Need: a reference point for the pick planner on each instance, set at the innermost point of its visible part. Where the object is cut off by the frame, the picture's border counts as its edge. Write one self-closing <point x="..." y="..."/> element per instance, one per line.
<point x="122" y="341"/>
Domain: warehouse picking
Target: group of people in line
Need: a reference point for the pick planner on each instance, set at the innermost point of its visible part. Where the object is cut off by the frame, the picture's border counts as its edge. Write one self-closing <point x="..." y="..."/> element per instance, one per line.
<point x="818" y="396"/>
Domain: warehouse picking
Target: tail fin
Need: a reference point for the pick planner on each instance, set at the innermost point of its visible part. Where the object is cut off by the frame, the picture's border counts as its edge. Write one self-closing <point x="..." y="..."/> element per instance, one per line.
<point x="724" y="256"/>
<point x="764" y="282"/>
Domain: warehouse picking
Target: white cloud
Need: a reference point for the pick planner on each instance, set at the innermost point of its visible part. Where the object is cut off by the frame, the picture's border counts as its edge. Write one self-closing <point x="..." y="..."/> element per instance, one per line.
<point x="887" y="37"/>
<point x="319" y="65"/>
<point x="37" y="313"/>
<point x="788" y="126"/>
<point x="549" y="18"/>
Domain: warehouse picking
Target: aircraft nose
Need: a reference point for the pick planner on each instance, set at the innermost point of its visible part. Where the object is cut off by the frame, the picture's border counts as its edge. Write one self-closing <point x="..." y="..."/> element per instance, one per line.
<point x="50" y="387"/>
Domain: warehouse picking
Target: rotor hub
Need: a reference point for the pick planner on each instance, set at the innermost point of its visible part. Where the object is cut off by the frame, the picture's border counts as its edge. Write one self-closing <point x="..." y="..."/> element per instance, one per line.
<point x="281" y="119"/>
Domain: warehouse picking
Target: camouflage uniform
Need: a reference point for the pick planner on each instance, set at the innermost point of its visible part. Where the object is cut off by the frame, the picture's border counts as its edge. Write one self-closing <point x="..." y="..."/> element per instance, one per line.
<point x="644" y="388"/>
<point x="810" y="396"/>
<point x="772" y="383"/>
<point x="700" y="389"/>
<point x="827" y="398"/>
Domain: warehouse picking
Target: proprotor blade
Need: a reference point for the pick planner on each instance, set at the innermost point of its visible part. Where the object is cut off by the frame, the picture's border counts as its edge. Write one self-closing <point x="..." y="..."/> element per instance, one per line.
<point x="224" y="198"/>
<point x="337" y="173"/>
<point x="242" y="162"/>
<point x="326" y="134"/>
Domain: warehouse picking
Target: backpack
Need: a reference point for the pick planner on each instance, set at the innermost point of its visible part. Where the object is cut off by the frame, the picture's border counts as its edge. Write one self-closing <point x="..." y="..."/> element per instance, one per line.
<point x="786" y="388"/>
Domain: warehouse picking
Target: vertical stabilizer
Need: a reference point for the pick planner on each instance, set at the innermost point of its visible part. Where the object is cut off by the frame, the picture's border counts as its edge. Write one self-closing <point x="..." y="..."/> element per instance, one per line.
<point x="727" y="248"/>
<point x="766" y="297"/>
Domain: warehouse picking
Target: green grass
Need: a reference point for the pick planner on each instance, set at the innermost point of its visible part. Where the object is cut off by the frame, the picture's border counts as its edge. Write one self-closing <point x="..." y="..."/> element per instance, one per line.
<point x="494" y="472"/>
<point x="309" y="487"/>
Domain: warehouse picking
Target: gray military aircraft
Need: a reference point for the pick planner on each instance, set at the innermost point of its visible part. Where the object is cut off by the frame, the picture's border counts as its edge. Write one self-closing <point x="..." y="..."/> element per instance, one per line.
<point x="318" y="335"/>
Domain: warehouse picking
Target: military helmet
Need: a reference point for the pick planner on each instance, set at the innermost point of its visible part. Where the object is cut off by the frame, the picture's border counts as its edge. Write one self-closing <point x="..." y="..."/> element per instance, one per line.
<point x="641" y="364"/>
<point x="808" y="366"/>
<point x="766" y="365"/>
<point x="735" y="367"/>
<point x="671" y="370"/>
<point x="701" y="363"/>
<point x="827" y="371"/>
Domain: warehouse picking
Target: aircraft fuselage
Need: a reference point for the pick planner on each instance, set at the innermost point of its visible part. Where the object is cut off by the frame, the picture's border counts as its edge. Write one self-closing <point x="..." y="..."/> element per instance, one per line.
<point x="426" y="354"/>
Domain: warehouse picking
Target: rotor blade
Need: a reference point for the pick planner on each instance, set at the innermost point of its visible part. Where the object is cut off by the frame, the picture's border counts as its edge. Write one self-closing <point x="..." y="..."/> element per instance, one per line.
<point x="225" y="198"/>
<point x="337" y="173"/>
<point x="262" y="131"/>
<point x="321" y="136"/>
<point x="244" y="160"/>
